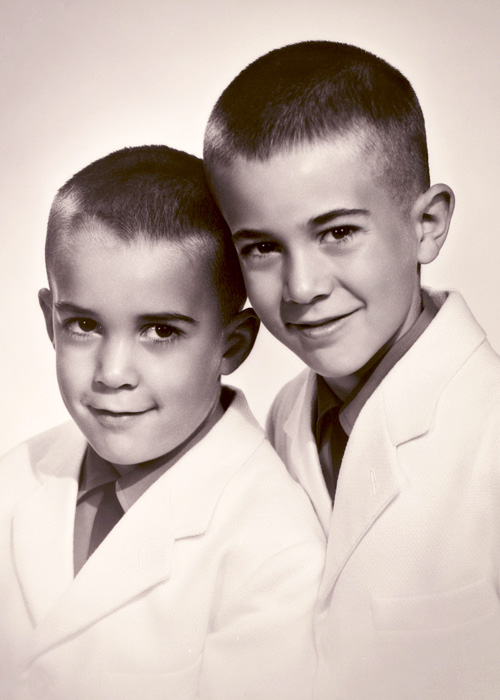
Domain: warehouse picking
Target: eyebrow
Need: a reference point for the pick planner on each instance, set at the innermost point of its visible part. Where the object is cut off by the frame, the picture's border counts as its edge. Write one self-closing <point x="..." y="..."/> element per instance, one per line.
<point x="167" y="316"/>
<point x="163" y="317"/>
<point x="327" y="217"/>
<point x="249" y="235"/>
<point x="336" y="214"/>
<point x="71" y="308"/>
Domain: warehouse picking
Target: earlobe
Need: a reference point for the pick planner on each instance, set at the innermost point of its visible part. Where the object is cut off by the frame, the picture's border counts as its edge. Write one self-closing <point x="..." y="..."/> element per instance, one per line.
<point x="45" y="300"/>
<point x="241" y="335"/>
<point x="432" y="214"/>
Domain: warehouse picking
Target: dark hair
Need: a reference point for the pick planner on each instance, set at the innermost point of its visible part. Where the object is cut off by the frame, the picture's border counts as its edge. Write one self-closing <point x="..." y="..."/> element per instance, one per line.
<point x="315" y="89"/>
<point x="154" y="193"/>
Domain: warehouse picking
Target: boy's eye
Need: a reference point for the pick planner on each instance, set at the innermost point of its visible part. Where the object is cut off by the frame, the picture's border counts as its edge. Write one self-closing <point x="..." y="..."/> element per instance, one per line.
<point x="259" y="249"/>
<point x="338" y="233"/>
<point x="161" y="332"/>
<point x="81" y="326"/>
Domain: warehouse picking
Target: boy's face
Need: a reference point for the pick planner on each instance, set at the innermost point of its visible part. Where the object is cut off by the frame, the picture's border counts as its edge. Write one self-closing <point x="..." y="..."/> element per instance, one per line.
<point x="139" y="343"/>
<point x="329" y="259"/>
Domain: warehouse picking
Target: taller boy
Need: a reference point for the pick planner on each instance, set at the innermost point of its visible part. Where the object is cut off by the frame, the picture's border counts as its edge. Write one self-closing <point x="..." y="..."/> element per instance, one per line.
<point x="317" y="156"/>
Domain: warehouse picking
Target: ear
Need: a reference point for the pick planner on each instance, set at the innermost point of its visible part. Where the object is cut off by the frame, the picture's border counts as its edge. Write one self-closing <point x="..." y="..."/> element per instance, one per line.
<point x="432" y="214"/>
<point x="45" y="300"/>
<point x="241" y="334"/>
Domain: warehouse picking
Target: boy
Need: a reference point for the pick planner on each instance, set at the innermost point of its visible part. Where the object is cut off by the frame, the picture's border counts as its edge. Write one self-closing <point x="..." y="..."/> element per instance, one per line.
<point x="164" y="553"/>
<point x="317" y="156"/>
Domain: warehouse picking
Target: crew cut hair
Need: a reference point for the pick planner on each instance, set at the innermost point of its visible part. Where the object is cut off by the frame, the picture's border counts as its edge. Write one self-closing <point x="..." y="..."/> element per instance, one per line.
<point x="149" y="193"/>
<point x="316" y="90"/>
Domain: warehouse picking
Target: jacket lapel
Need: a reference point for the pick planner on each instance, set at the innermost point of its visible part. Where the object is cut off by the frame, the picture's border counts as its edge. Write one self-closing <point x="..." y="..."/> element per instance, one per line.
<point x="42" y="527"/>
<point x="133" y="558"/>
<point x="302" y="458"/>
<point x="137" y="553"/>
<point x="368" y="483"/>
<point x="368" y="480"/>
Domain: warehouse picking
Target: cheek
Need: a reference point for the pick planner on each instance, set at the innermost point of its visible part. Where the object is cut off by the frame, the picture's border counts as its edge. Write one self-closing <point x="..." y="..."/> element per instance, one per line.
<point x="74" y="370"/>
<point x="264" y="290"/>
<point x="189" y="371"/>
<point x="385" y="273"/>
<point x="187" y="396"/>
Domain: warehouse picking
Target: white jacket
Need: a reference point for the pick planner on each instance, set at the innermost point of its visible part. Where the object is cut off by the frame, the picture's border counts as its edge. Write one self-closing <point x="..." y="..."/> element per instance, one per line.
<point x="204" y="589"/>
<point x="409" y="603"/>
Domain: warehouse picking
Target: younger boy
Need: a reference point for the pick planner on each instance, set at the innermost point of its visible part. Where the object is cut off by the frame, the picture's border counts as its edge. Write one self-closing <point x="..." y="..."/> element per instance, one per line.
<point x="164" y="553"/>
<point x="317" y="156"/>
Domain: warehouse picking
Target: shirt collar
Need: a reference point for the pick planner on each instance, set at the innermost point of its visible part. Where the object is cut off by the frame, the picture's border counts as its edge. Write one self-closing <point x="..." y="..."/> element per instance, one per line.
<point x="95" y="472"/>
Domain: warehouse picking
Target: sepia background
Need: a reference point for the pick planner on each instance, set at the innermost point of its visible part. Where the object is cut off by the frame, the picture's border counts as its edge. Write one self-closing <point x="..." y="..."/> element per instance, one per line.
<point x="80" y="78"/>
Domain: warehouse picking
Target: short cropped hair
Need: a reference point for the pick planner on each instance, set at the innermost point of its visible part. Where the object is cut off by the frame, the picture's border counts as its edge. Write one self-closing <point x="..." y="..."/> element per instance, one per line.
<point x="150" y="193"/>
<point x="312" y="91"/>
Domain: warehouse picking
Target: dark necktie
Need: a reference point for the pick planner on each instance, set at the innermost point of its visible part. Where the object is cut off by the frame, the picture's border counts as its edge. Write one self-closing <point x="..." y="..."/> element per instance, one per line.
<point x="108" y="514"/>
<point x="332" y="444"/>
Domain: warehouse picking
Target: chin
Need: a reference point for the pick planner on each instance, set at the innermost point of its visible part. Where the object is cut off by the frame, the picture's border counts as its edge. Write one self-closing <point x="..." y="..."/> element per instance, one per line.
<point x="119" y="455"/>
<point x="339" y="370"/>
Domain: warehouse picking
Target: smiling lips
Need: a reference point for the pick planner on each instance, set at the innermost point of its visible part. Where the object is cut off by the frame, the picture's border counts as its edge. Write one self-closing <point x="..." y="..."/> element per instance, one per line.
<point x="107" y="417"/>
<point x="322" y="328"/>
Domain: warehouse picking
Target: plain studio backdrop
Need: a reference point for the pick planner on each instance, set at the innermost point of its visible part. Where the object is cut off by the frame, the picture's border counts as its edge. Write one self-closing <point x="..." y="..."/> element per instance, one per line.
<point x="81" y="78"/>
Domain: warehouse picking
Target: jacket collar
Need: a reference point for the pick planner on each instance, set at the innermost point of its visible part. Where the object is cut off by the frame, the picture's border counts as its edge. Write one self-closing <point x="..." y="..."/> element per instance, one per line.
<point x="413" y="387"/>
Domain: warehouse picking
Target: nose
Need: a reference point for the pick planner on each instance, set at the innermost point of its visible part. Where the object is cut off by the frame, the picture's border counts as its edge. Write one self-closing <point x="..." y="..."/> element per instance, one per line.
<point x="308" y="278"/>
<point x="116" y="367"/>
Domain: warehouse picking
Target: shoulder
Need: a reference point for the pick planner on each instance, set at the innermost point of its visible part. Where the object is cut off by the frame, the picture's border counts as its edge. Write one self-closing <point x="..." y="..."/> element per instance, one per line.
<point x="466" y="350"/>
<point x="238" y="475"/>
<point x="266" y="520"/>
<point x="264" y="485"/>
<point x="260" y="495"/>
<point x="25" y="467"/>
<point x="254" y="512"/>
<point x="450" y="365"/>
<point x="55" y="444"/>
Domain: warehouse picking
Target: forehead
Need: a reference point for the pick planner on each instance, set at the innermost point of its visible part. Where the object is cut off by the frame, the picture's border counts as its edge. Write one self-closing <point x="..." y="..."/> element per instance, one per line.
<point x="100" y="269"/>
<point x="297" y="184"/>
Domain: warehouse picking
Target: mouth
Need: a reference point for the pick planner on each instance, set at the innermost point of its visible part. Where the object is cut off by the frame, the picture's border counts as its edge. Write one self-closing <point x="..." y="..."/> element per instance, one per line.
<point x="108" y="417"/>
<point x="320" y="328"/>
